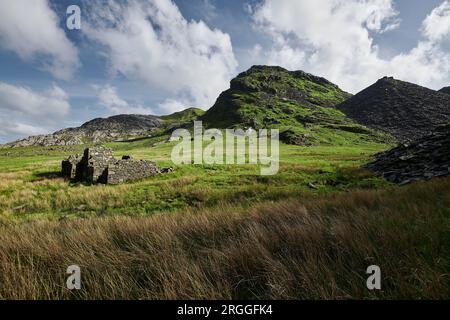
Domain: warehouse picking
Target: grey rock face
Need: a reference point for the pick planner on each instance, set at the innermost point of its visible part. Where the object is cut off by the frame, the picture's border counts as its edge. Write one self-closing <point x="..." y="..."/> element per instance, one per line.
<point x="127" y="123"/>
<point x="98" y="165"/>
<point x="425" y="159"/>
<point x="48" y="140"/>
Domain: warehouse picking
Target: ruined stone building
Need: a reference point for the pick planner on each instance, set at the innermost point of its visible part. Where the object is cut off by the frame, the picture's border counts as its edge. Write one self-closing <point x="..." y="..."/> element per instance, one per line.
<point x="98" y="165"/>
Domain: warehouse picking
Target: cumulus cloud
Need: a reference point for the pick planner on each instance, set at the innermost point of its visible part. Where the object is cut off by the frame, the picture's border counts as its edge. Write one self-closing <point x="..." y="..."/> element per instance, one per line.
<point x="151" y="41"/>
<point x="437" y="24"/>
<point x="172" y="105"/>
<point x="30" y="29"/>
<point x="109" y="98"/>
<point x="335" y="39"/>
<point x="22" y="108"/>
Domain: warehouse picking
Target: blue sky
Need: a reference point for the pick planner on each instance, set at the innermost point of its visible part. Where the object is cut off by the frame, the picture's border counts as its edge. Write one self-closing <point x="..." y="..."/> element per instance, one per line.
<point x="159" y="56"/>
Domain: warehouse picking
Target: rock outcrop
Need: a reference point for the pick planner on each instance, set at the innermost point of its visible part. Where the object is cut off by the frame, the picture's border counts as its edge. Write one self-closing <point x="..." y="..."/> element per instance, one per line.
<point x="426" y="158"/>
<point x="98" y="165"/>
<point x="404" y="110"/>
<point x="56" y="139"/>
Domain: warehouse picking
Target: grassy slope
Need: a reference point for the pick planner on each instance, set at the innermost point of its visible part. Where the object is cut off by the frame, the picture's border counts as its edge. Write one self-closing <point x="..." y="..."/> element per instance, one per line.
<point x="30" y="187"/>
<point x="185" y="116"/>
<point x="308" y="248"/>
<point x="235" y="235"/>
<point x="299" y="105"/>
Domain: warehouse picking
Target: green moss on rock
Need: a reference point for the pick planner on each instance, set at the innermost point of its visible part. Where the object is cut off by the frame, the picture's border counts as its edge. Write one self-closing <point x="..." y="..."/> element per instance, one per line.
<point x="301" y="105"/>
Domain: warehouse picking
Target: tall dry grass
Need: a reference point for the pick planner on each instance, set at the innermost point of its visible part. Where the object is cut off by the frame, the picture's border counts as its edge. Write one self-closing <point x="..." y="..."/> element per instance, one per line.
<point x="315" y="249"/>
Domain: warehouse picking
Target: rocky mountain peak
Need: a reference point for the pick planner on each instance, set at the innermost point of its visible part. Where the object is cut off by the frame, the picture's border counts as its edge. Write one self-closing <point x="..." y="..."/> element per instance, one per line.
<point x="123" y="122"/>
<point x="300" y="105"/>
<point x="405" y="110"/>
<point x="268" y="74"/>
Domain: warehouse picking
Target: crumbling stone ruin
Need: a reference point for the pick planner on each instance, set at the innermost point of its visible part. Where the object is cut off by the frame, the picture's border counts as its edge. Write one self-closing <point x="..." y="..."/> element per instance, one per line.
<point x="98" y="165"/>
<point x="69" y="167"/>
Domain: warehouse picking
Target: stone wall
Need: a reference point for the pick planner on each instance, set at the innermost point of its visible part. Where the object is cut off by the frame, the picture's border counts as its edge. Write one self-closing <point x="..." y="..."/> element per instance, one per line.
<point x="69" y="166"/>
<point x="128" y="169"/>
<point x="94" y="164"/>
<point x="98" y="165"/>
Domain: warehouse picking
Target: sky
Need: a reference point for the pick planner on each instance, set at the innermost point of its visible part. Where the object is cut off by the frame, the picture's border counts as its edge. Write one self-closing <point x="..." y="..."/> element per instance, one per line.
<point x="162" y="56"/>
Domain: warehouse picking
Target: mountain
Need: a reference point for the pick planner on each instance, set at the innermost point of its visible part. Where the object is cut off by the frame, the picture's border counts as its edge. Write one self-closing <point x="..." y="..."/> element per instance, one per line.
<point x="404" y="110"/>
<point x="96" y="130"/>
<point x="445" y="90"/>
<point x="115" y="128"/>
<point x="424" y="159"/>
<point x="297" y="103"/>
<point x="122" y="124"/>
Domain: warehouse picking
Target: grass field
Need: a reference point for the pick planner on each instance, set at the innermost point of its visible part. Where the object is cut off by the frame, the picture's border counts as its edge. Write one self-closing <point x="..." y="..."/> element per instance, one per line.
<point x="222" y="231"/>
<point x="30" y="186"/>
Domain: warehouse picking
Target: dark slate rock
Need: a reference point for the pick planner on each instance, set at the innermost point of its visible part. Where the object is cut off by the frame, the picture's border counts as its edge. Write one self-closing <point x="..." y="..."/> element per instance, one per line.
<point x="424" y="159"/>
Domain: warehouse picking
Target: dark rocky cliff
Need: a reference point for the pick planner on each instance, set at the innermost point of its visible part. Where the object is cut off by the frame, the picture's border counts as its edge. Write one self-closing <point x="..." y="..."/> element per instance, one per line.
<point x="404" y="110"/>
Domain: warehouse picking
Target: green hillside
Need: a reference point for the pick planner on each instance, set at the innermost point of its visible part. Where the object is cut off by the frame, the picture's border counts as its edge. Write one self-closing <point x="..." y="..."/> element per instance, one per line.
<point x="182" y="117"/>
<point x="297" y="103"/>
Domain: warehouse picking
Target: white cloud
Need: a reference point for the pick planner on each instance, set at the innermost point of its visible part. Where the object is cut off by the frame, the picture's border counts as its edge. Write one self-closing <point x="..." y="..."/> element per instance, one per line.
<point x="109" y="99"/>
<point x="30" y="29"/>
<point x="335" y="39"/>
<point x="151" y="41"/>
<point x="172" y="105"/>
<point x="437" y="25"/>
<point x="22" y="129"/>
<point x="26" y="101"/>
<point x="22" y="108"/>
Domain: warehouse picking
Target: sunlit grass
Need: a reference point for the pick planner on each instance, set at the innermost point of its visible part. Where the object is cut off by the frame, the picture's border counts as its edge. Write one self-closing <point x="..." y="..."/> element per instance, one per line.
<point x="31" y="188"/>
<point x="317" y="248"/>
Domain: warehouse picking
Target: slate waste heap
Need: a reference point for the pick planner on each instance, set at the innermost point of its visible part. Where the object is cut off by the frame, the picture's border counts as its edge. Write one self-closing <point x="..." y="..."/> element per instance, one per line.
<point x="424" y="159"/>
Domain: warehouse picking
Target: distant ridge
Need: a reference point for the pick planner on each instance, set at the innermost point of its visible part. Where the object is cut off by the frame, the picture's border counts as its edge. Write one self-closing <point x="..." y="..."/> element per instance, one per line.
<point x="406" y="111"/>
<point x="115" y="128"/>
